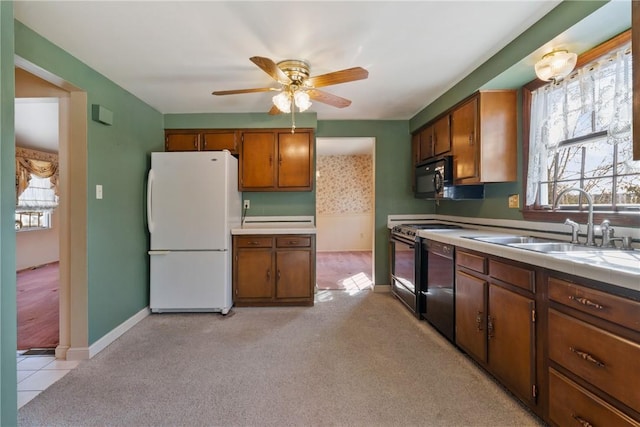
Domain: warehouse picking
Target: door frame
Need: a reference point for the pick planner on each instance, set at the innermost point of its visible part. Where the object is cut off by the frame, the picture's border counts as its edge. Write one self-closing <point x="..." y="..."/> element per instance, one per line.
<point x="72" y="156"/>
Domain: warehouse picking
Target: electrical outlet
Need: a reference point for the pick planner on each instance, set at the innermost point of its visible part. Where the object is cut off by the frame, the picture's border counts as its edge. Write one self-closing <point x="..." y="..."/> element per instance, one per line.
<point x="514" y="201"/>
<point x="247" y="204"/>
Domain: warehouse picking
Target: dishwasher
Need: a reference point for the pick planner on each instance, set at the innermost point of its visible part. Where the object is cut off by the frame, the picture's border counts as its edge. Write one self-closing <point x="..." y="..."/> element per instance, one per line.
<point x="438" y="288"/>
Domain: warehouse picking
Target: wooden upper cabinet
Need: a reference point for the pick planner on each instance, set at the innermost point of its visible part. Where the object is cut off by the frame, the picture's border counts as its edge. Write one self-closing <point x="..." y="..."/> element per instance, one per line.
<point x="426" y="143"/>
<point x="294" y="160"/>
<point x="186" y="141"/>
<point x="441" y="144"/>
<point x="483" y="138"/>
<point x="465" y="148"/>
<point x="257" y="161"/>
<point x="201" y="140"/>
<point x="276" y="160"/>
<point x="217" y="140"/>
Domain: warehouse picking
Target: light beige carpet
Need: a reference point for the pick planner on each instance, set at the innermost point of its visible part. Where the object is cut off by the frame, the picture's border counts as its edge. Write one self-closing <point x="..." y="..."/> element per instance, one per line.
<point x="354" y="359"/>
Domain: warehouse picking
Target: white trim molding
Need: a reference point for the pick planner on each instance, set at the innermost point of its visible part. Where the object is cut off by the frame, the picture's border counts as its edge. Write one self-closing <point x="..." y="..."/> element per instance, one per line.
<point x="114" y="334"/>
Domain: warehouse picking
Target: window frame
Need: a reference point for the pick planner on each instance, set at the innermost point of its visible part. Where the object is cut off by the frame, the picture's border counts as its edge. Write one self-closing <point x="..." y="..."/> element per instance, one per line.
<point x="628" y="218"/>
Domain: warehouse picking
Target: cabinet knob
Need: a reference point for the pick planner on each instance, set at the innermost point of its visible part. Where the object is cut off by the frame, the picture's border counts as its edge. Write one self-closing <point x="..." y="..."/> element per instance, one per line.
<point x="489" y="327"/>
<point x="268" y="275"/>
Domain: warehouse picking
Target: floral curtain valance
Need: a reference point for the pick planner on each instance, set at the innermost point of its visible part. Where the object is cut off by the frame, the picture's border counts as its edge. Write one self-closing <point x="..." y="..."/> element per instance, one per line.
<point x="38" y="163"/>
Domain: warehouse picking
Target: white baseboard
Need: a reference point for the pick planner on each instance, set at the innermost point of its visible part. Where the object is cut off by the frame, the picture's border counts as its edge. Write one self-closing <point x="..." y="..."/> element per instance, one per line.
<point x="114" y="334"/>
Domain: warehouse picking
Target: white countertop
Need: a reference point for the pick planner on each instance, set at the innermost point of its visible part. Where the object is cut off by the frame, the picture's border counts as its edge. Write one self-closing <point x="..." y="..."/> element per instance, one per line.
<point x="276" y="225"/>
<point x="600" y="265"/>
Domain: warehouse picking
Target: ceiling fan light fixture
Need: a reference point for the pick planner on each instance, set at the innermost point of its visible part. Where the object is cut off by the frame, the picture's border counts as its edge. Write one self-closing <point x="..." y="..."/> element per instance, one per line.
<point x="556" y="65"/>
<point x="282" y="101"/>
<point x="302" y="100"/>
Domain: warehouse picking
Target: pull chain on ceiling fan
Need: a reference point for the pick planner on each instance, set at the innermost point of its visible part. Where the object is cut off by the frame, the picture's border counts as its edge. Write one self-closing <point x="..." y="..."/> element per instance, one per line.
<point x="298" y="88"/>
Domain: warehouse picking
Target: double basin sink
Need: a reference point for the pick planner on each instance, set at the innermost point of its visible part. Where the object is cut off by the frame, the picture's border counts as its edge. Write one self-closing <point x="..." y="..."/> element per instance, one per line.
<point x="612" y="258"/>
<point x="538" y="244"/>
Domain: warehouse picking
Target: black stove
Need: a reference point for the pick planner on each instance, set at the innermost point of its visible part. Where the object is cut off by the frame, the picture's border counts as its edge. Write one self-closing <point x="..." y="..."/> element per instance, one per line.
<point x="408" y="263"/>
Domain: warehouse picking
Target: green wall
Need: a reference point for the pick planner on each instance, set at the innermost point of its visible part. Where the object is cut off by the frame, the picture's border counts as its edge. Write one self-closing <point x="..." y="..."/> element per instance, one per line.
<point x="8" y="327"/>
<point x="117" y="158"/>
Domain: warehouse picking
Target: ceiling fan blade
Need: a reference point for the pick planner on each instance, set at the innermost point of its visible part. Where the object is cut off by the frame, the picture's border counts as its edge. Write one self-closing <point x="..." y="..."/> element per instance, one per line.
<point x="271" y="68"/>
<point x="274" y="110"/>
<point x="337" y="77"/>
<point x="328" y="98"/>
<point x="237" y="91"/>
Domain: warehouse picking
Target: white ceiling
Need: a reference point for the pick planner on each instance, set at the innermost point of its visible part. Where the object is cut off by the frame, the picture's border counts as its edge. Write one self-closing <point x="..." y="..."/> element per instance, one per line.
<point x="173" y="54"/>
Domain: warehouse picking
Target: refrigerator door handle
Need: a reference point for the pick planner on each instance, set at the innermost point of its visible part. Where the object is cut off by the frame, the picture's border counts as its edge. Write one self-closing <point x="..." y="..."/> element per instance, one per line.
<point x="149" y="195"/>
<point x="159" y="252"/>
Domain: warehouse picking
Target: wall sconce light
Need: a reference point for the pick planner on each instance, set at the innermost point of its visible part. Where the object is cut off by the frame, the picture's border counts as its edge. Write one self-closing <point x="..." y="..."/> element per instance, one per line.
<point x="556" y="65"/>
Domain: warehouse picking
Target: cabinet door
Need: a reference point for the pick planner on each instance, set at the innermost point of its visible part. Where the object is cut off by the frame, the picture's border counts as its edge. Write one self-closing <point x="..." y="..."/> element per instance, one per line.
<point x="293" y="273"/>
<point x="471" y="315"/>
<point x="294" y="160"/>
<point x="182" y="142"/>
<point x="415" y="149"/>
<point x="464" y="143"/>
<point x="220" y="140"/>
<point x="441" y="136"/>
<point x="254" y="274"/>
<point x="511" y="340"/>
<point x="426" y="143"/>
<point x="257" y="164"/>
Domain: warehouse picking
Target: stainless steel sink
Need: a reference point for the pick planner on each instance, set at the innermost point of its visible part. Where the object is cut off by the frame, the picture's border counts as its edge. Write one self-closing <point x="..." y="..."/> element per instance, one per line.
<point x="555" y="247"/>
<point x="508" y="240"/>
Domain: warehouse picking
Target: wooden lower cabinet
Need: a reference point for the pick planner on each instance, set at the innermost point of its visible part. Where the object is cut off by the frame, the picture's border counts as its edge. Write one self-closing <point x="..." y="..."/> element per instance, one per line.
<point x="273" y="270"/>
<point x="594" y="348"/>
<point x="568" y="347"/>
<point x="495" y="321"/>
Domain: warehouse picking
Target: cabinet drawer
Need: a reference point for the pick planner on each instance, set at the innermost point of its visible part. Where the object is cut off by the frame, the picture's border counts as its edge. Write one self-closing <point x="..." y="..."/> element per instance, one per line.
<point x="570" y="404"/>
<point x="293" y="241"/>
<point x="472" y="262"/>
<point x="254" y="242"/>
<point x="613" y="308"/>
<point x="606" y="360"/>
<point x="521" y="277"/>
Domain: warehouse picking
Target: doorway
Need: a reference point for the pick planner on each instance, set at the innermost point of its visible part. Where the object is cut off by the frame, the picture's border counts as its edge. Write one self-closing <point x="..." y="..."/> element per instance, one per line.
<point x="33" y="82"/>
<point x="345" y="201"/>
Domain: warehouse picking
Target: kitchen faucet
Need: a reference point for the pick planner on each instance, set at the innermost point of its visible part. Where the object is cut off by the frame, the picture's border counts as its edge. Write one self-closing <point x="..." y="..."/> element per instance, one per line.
<point x="590" y="241"/>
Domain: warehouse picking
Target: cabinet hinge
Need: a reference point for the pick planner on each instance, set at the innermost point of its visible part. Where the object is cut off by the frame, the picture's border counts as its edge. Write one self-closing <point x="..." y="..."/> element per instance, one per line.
<point x="533" y="316"/>
<point x="534" y="391"/>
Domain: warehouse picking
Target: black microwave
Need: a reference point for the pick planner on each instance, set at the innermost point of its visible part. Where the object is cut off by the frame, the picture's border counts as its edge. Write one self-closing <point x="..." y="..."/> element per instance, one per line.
<point x="434" y="180"/>
<point x="432" y="176"/>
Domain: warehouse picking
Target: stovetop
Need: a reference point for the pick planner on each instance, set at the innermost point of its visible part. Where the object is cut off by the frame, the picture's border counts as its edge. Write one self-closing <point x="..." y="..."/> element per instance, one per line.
<point x="412" y="229"/>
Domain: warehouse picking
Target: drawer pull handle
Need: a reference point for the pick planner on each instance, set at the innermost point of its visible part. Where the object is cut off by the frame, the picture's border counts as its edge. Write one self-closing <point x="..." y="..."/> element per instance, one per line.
<point x="587" y="357"/>
<point x="254" y="243"/>
<point x="268" y="275"/>
<point x="586" y="302"/>
<point x="479" y="321"/>
<point x="582" y="421"/>
<point x="489" y="327"/>
<point x="293" y="242"/>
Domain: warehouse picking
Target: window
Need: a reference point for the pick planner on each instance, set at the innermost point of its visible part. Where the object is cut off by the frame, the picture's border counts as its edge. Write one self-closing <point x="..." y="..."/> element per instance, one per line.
<point x="36" y="187"/>
<point x="580" y="136"/>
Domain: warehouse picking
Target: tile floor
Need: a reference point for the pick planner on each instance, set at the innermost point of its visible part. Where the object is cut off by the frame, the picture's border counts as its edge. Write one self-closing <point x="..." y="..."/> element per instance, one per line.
<point x="36" y="373"/>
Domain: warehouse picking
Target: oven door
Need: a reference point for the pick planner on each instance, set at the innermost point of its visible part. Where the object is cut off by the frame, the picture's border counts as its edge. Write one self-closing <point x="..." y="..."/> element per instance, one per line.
<point x="404" y="272"/>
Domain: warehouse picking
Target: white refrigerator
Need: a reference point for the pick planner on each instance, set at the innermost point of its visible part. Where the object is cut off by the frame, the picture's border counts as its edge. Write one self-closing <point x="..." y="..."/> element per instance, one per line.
<point x="193" y="202"/>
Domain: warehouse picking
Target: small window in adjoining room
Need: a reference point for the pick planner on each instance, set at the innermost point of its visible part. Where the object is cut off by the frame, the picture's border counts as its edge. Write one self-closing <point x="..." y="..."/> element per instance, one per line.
<point x="36" y="188"/>
<point x="580" y="136"/>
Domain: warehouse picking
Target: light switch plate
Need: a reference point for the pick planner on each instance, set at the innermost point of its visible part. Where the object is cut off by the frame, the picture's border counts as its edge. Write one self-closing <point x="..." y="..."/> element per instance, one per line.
<point x="514" y="201"/>
<point x="99" y="192"/>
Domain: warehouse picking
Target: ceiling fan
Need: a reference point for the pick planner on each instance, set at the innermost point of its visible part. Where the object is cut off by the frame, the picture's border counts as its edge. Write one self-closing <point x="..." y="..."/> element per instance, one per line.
<point x="297" y="87"/>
